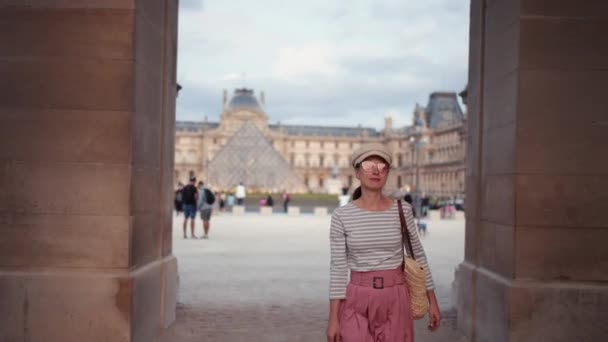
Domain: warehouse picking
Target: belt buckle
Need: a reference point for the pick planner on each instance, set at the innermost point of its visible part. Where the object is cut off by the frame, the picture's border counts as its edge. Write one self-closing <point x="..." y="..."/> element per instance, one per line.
<point x="377" y="280"/>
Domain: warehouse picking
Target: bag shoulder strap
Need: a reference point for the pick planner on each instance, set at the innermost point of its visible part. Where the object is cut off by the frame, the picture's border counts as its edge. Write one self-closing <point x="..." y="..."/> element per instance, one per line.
<point x="405" y="234"/>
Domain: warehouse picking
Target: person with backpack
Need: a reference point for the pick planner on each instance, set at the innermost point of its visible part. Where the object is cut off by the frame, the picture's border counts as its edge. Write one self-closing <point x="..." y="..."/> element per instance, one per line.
<point x="205" y="207"/>
<point x="179" y="204"/>
<point x="189" y="199"/>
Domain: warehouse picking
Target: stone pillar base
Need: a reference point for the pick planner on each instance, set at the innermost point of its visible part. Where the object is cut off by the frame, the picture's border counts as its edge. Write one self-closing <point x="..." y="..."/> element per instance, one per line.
<point x="293" y="211"/>
<point x="320" y="211"/>
<point x="493" y="308"/>
<point x="238" y="210"/>
<point x="88" y="305"/>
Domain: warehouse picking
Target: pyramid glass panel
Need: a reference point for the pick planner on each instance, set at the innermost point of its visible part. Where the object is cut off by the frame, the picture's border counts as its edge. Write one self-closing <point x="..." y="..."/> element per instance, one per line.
<point x="250" y="158"/>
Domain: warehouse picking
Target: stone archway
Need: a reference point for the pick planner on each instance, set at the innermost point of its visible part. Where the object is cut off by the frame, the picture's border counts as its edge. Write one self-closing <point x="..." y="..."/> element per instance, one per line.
<point x="535" y="264"/>
<point x="83" y="80"/>
<point x="87" y="112"/>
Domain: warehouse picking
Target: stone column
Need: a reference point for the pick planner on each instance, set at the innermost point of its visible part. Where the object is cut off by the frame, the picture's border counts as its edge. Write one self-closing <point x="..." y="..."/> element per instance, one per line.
<point x="87" y="115"/>
<point x="536" y="262"/>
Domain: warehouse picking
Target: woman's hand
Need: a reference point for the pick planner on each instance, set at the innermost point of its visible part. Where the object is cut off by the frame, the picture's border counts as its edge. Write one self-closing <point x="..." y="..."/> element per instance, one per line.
<point x="333" y="331"/>
<point x="434" y="312"/>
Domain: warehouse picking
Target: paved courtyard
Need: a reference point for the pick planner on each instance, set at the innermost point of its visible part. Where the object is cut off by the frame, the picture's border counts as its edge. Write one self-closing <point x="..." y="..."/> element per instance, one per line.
<point x="265" y="278"/>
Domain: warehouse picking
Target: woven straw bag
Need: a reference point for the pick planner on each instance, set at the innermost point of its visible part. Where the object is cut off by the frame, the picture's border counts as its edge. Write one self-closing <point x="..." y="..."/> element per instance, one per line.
<point x="414" y="272"/>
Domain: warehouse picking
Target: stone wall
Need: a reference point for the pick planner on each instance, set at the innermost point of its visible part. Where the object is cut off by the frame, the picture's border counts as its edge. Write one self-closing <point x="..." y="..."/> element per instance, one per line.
<point x="87" y="108"/>
<point x="536" y="264"/>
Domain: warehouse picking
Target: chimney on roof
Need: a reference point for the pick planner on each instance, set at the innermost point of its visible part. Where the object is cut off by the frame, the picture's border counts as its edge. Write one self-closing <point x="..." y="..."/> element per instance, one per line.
<point x="388" y="124"/>
<point x="225" y="97"/>
<point x="262" y="98"/>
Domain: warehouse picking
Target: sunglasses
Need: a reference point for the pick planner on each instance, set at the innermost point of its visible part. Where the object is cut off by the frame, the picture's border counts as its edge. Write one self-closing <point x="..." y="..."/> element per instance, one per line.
<point x="368" y="166"/>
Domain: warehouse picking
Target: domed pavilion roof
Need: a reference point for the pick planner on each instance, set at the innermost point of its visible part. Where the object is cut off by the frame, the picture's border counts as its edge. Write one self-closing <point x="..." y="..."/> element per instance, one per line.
<point x="244" y="99"/>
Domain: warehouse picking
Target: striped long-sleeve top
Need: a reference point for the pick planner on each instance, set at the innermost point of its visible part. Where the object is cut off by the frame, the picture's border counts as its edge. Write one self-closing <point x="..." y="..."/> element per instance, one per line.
<point x="363" y="240"/>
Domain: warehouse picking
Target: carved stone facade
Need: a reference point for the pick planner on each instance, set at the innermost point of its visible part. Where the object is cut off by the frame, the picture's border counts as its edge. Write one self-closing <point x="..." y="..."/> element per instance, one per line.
<point x="317" y="153"/>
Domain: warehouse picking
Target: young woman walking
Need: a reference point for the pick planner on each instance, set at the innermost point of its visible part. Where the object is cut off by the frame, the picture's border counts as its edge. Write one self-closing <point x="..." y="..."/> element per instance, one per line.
<point x="366" y="239"/>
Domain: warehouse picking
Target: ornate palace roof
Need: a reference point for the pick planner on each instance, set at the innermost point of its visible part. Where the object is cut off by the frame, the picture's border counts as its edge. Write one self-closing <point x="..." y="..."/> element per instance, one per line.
<point x="326" y="131"/>
<point x="195" y="126"/>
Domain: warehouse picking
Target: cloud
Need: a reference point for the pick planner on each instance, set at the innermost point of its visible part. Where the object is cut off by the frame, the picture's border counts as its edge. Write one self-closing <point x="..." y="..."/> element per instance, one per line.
<point x="327" y="62"/>
<point x="308" y="60"/>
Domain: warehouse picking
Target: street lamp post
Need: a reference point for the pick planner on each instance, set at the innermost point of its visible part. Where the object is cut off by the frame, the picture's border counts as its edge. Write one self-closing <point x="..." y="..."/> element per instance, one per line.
<point x="418" y="140"/>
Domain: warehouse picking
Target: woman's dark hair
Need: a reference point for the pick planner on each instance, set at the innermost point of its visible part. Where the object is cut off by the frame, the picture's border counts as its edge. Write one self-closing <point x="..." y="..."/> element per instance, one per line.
<point x="357" y="193"/>
<point x="408" y="199"/>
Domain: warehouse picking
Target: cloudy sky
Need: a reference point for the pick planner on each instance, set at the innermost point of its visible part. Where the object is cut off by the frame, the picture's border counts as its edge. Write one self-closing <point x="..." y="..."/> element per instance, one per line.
<point x="325" y="62"/>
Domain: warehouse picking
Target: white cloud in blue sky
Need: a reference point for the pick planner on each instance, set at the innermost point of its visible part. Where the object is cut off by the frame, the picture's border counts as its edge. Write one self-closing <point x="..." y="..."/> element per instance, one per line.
<point x="321" y="61"/>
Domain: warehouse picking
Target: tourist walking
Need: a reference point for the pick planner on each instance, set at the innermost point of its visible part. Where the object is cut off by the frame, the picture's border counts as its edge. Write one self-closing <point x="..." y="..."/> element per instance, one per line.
<point x="178" y="202"/>
<point x="344" y="198"/>
<point x="222" y="202"/>
<point x="241" y="193"/>
<point x="286" y="200"/>
<point x="206" y="198"/>
<point x="426" y="203"/>
<point x="421" y="225"/>
<point x="366" y="240"/>
<point x="409" y="200"/>
<point x="189" y="197"/>
<point x="269" y="201"/>
<point x="230" y="200"/>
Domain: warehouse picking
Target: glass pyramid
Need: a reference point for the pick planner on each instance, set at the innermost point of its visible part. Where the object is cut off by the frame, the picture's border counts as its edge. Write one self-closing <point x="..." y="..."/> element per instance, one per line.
<point x="249" y="157"/>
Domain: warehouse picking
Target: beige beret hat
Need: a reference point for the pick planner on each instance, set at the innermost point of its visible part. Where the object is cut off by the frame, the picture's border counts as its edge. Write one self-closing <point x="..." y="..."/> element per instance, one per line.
<point x="368" y="150"/>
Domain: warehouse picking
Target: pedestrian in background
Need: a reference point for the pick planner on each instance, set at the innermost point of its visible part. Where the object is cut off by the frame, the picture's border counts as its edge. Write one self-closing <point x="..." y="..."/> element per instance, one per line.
<point x="222" y="201"/>
<point x="421" y="225"/>
<point x="269" y="201"/>
<point x="344" y="198"/>
<point x="190" y="197"/>
<point x="178" y="202"/>
<point x="206" y="199"/>
<point x="230" y="200"/>
<point x="286" y="200"/>
<point x="241" y="193"/>
<point x="426" y="203"/>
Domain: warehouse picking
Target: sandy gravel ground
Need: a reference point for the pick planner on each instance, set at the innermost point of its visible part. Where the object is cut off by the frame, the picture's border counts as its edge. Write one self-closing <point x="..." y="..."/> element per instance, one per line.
<point x="265" y="279"/>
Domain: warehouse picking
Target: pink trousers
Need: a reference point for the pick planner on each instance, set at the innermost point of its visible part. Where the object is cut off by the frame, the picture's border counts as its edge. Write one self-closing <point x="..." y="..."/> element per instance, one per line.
<point x="377" y="308"/>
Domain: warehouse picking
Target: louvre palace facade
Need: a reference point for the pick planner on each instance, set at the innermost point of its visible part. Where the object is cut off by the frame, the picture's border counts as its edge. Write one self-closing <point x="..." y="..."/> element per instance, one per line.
<point x="244" y="147"/>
